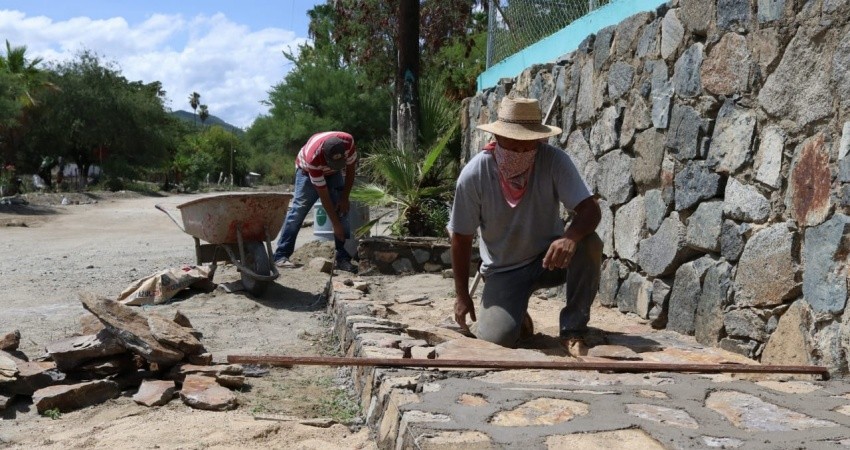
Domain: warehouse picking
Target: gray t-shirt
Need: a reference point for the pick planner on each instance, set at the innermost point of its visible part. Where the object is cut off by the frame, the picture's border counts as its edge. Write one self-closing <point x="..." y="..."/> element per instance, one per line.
<point x="514" y="237"/>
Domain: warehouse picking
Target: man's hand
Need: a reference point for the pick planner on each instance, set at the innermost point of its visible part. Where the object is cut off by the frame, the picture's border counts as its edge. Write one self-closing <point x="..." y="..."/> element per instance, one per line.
<point x="464" y="306"/>
<point x="560" y="254"/>
<point x="343" y="206"/>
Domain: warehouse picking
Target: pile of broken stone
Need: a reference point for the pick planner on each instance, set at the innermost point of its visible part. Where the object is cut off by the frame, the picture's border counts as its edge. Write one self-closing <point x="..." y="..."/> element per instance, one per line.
<point x="119" y="350"/>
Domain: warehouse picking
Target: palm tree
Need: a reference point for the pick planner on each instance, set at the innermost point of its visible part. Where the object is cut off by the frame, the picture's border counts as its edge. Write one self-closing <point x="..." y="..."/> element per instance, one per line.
<point x="194" y="101"/>
<point x="417" y="182"/>
<point x="204" y="114"/>
<point x="29" y="79"/>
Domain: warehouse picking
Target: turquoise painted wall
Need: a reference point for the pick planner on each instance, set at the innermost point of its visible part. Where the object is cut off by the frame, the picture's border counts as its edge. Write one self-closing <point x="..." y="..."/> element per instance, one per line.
<point x="551" y="48"/>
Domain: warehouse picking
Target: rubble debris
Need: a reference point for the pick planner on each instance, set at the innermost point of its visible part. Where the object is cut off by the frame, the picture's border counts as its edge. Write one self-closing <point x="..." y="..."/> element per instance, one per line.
<point x="321" y="265"/>
<point x="125" y="350"/>
<point x="30" y="376"/>
<point x="132" y="329"/>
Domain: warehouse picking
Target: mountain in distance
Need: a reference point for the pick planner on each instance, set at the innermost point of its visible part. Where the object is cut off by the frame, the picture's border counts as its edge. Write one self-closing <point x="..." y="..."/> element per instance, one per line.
<point x="211" y="120"/>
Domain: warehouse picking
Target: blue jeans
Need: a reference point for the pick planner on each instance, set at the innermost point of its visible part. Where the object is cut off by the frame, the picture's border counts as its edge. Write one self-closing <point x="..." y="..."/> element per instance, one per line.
<point x="506" y="294"/>
<point x="303" y="199"/>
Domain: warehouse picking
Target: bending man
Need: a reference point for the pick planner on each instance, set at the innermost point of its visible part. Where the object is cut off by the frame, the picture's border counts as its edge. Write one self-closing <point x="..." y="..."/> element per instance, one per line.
<point x="319" y="176"/>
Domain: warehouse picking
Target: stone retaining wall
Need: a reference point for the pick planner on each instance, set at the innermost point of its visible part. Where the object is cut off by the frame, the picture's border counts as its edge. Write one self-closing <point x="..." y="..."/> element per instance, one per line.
<point x="397" y="256"/>
<point x="716" y="135"/>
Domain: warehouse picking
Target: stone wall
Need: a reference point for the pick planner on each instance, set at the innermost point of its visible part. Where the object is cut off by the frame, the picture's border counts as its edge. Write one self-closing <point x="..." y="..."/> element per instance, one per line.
<point x="399" y="256"/>
<point x="716" y="134"/>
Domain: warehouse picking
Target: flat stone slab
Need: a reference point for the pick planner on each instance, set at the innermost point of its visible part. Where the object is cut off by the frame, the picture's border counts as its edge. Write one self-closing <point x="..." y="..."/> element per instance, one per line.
<point x="73" y="352"/>
<point x="170" y="333"/>
<point x="465" y="348"/>
<point x="751" y="413"/>
<point x="663" y="415"/>
<point x="606" y="439"/>
<point x="30" y="376"/>
<point x="132" y="329"/>
<point x="155" y="392"/>
<point x="203" y="392"/>
<point x="433" y="335"/>
<point x="617" y="352"/>
<point x="8" y="366"/>
<point x="541" y="411"/>
<point x="181" y="371"/>
<point x="70" y="397"/>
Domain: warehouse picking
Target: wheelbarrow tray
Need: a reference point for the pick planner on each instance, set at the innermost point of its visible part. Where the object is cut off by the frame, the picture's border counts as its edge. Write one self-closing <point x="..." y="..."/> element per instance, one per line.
<point x="215" y="219"/>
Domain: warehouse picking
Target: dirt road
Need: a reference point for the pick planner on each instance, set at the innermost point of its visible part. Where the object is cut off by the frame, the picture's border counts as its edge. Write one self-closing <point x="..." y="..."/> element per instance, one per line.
<point x="50" y="253"/>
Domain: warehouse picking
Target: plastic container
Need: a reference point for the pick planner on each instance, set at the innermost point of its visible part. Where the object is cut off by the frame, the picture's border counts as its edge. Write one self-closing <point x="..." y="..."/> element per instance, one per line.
<point x="358" y="216"/>
<point x="322" y="227"/>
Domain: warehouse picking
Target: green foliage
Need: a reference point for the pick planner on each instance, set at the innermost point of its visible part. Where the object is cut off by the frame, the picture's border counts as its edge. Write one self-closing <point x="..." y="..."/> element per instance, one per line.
<point x="11" y="90"/>
<point x="210" y="153"/>
<point x="457" y="64"/>
<point x="420" y="182"/>
<point x="53" y="413"/>
<point x="319" y="95"/>
<point x="98" y="116"/>
<point x="275" y="168"/>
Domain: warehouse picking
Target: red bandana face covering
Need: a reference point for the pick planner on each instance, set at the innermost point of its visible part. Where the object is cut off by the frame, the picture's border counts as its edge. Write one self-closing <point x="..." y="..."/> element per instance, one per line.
<point x="514" y="172"/>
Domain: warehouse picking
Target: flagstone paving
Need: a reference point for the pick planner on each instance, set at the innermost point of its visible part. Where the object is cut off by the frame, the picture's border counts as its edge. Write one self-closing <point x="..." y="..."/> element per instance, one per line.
<point x="528" y="408"/>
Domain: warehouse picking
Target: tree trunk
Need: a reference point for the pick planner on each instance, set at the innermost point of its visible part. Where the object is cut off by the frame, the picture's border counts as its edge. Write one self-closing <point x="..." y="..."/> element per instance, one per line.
<point x="407" y="77"/>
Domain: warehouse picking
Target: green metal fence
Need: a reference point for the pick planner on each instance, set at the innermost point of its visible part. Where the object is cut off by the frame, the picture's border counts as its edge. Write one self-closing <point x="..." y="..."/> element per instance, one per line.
<point x="516" y="24"/>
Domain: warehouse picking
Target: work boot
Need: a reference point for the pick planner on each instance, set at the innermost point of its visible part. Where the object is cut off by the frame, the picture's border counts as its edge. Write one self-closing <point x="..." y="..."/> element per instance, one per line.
<point x="346" y="265"/>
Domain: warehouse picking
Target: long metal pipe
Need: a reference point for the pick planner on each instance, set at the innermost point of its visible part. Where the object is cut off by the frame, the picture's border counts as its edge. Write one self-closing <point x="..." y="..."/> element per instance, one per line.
<point x="625" y="366"/>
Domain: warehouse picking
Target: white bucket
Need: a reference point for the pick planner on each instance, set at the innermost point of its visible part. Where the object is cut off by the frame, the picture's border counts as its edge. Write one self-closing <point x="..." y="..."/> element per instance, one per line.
<point x="322" y="227"/>
<point x="358" y="216"/>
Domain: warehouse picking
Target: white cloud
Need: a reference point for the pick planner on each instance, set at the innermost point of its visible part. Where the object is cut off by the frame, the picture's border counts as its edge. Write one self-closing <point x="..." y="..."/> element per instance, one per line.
<point x="230" y="65"/>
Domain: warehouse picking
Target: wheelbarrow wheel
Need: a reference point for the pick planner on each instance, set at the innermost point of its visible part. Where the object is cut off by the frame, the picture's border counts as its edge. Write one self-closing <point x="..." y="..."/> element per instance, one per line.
<point x="257" y="260"/>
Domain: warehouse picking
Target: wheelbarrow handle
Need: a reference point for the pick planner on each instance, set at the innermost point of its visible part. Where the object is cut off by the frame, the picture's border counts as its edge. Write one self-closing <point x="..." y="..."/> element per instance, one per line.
<point x="162" y="208"/>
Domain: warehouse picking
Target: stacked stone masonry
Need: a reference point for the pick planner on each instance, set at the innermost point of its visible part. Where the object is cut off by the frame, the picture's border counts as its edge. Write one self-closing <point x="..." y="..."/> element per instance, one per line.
<point x="716" y="135"/>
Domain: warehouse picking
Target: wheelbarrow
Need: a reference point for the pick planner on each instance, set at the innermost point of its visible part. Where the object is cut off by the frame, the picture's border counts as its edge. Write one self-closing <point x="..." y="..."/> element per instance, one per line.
<point x="238" y="229"/>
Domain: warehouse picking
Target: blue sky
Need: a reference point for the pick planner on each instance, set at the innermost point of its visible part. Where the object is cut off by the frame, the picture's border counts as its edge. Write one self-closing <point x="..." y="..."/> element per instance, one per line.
<point x="227" y="51"/>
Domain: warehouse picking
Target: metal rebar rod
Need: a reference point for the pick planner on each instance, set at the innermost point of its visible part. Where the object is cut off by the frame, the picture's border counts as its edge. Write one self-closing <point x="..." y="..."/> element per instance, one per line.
<point x="625" y="366"/>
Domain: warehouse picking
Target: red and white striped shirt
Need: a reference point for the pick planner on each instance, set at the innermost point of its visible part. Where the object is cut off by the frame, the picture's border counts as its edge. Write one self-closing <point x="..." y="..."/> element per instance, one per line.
<point x="311" y="159"/>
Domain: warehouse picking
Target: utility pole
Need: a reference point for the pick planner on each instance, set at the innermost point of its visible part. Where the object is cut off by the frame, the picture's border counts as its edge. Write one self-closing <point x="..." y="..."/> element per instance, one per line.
<point x="231" y="164"/>
<point x="407" y="77"/>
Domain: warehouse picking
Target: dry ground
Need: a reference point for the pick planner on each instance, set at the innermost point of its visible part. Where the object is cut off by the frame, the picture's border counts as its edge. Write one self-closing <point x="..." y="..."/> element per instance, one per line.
<point x="99" y="243"/>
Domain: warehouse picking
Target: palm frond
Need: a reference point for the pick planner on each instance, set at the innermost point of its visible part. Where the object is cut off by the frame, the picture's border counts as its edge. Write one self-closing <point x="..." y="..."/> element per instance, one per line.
<point x="371" y="194"/>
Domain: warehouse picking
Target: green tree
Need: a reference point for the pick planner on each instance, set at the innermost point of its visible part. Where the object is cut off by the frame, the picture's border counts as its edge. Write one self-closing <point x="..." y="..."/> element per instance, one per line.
<point x="320" y="93"/>
<point x="11" y="90"/>
<point x="100" y="116"/>
<point x="204" y="114"/>
<point x="24" y="81"/>
<point x="367" y="30"/>
<point x="210" y="154"/>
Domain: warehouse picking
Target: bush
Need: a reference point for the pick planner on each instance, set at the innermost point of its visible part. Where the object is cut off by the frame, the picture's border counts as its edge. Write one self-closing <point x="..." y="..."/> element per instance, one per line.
<point x="114" y="184"/>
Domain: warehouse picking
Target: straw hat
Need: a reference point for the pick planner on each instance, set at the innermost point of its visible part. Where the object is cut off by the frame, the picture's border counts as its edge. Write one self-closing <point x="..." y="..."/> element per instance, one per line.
<point x="520" y="118"/>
